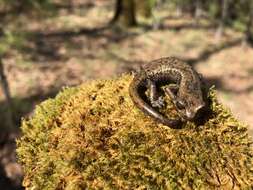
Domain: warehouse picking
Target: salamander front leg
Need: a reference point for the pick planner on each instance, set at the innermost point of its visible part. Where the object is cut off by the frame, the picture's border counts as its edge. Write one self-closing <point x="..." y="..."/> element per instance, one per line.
<point x="172" y="90"/>
<point x="156" y="101"/>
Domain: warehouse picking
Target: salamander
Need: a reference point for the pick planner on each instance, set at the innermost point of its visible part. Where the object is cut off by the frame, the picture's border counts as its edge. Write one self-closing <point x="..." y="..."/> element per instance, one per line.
<point x="182" y="84"/>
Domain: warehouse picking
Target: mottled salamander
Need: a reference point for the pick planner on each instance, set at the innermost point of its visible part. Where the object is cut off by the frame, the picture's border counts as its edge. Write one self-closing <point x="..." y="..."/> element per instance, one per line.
<point x="182" y="84"/>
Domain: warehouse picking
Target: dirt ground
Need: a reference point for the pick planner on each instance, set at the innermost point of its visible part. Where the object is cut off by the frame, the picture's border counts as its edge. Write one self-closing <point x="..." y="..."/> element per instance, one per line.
<point x="73" y="46"/>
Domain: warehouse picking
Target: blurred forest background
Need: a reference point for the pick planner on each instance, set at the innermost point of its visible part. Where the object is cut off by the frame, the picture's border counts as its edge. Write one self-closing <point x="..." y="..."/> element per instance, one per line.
<point x="48" y="44"/>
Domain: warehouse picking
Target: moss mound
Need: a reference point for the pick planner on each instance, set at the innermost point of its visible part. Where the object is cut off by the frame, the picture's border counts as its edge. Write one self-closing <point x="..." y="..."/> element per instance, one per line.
<point x="93" y="137"/>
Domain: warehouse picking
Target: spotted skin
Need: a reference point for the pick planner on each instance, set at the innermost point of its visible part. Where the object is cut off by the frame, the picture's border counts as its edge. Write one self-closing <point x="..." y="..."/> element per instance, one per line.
<point x="182" y="84"/>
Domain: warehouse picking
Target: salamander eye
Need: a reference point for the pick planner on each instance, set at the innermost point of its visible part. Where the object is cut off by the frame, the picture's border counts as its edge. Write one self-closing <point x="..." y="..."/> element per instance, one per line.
<point x="180" y="105"/>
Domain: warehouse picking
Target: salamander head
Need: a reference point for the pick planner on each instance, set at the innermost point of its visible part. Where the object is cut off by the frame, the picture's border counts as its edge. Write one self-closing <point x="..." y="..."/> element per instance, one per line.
<point x="189" y="104"/>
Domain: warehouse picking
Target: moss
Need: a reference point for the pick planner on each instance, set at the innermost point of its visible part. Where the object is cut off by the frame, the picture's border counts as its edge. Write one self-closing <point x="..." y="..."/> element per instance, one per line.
<point x="93" y="137"/>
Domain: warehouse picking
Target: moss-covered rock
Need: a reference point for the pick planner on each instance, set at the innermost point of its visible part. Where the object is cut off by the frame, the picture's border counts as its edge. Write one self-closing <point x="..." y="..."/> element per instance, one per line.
<point x="93" y="137"/>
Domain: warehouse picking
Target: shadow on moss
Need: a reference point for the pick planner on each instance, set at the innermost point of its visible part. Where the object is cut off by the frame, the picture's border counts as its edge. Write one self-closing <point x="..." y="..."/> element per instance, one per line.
<point x="93" y="137"/>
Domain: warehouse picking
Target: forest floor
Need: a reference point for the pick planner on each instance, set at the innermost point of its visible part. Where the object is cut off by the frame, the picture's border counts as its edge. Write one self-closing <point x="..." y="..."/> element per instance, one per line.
<point x="73" y="46"/>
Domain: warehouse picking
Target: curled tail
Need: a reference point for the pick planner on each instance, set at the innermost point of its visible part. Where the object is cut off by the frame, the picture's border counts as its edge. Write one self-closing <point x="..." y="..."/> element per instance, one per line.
<point x="134" y="92"/>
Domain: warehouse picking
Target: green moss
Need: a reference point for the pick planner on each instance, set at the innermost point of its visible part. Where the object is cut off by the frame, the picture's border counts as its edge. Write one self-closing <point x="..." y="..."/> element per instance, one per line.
<point x="93" y="137"/>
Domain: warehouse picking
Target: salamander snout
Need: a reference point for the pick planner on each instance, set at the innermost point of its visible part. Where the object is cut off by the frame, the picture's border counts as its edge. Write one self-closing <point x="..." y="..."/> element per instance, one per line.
<point x="190" y="115"/>
<point x="192" y="112"/>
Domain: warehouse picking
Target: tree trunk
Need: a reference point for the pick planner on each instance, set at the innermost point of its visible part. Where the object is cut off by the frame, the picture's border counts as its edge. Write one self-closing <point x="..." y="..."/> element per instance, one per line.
<point x="249" y="32"/>
<point x="179" y="10"/>
<point x="222" y="21"/>
<point x="5" y="87"/>
<point x="125" y="13"/>
<point x="198" y="10"/>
